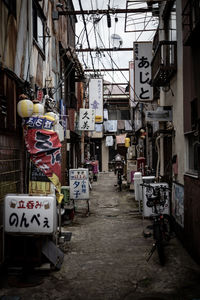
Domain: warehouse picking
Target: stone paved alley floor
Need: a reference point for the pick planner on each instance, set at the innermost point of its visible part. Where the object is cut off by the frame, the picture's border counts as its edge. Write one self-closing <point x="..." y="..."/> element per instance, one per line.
<point x="106" y="257"/>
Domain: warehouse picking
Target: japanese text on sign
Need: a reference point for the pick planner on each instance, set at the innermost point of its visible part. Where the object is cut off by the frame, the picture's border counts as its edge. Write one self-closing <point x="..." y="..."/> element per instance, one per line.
<point x="96" y="98"/>
<point x="142" y="65"/>
<point x="79" y="185"/>
<point x="87" y="119"/>
<point x="30" y="214"/>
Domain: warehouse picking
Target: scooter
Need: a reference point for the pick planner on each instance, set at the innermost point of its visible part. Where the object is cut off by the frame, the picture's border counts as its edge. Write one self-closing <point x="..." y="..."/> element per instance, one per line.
<point x="119" y="169"/>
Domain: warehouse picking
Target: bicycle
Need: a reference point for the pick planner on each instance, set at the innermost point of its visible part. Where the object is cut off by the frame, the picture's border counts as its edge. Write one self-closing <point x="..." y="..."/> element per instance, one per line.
<point x="119" y="170"/>
<point x="119" y="178"/>
<point x="156" y="199"/>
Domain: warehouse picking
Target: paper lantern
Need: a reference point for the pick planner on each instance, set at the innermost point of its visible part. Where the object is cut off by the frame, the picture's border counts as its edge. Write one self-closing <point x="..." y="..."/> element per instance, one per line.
<point x="38" y="109"/>
<point x="25" y="108"/>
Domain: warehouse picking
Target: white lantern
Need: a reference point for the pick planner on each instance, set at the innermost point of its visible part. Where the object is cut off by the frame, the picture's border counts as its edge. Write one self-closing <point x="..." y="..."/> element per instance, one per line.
<point x="25" y="108"/>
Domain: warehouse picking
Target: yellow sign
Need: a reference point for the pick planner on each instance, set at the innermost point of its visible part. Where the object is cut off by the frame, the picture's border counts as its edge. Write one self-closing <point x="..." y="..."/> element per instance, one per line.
<point x="127" y="142"/>
<point x="98" y="119"/>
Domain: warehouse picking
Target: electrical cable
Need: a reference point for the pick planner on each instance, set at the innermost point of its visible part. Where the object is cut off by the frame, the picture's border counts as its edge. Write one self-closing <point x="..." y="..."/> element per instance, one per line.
<point x="120" y="72"/>
<point x="112" y="58"/>
<point x="86" y="32"/>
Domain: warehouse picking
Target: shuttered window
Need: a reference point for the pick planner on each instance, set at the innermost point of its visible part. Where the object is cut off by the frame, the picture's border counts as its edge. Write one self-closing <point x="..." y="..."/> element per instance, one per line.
<point x="8" y="117"/>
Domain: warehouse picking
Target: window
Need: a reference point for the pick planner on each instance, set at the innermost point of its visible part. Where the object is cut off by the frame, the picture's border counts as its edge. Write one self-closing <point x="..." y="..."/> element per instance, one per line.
<point x="172" y="24"/>
<point x="125" y="114"/>
<point x="169" y="16"/>
<point x="193" y="157"/>
<point x="7" y="103"/>
<point x="38" y="27"/>
<point x="194" y="113"/>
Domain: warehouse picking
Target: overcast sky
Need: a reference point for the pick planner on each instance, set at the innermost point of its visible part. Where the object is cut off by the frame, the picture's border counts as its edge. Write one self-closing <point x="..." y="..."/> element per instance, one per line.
<point x="101" y="36"/>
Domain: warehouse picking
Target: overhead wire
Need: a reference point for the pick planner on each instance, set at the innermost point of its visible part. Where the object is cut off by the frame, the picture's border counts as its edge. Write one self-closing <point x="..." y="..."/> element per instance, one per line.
<point x="124" y="78"/>
<point x="112" y="61"/>
<point x="86" y="33"/>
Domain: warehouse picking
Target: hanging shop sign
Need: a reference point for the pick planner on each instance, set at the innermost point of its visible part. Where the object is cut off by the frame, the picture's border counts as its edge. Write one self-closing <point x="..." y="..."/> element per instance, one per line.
<point x="87" y="119"/>
<point x="30" y="214"/>
<point x="79" y="184"/>
<point x="142" y="71"/>
<point x="96" y="98"/>
<point x="40" y="122"/>
<point x="40" y="95"/>
<point x="42" y="142"/>
<point x="98" y="119"/>
<point x="160" y="114"/>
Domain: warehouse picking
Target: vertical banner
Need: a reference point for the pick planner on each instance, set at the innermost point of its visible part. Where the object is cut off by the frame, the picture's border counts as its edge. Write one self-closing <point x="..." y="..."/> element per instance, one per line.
<point x="96" y="98"/>
<point x="132" y="102"/>
<point x="44" y="148"/>
<point x="86" y="119"/>
<point x="142" y="74"/>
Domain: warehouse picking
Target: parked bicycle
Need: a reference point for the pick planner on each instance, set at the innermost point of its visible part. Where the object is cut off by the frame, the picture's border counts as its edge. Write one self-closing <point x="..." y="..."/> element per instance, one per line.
<point x="119" y="170"/>
<point x="156" y="199"/>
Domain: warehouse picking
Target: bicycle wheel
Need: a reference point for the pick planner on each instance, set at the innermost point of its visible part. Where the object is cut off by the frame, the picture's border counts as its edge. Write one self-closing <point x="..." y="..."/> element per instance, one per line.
<point x="167" y="227"/>
<point x="159" y="243"/>
<point x="120" y="183"/>
<point x="119" y="180"/>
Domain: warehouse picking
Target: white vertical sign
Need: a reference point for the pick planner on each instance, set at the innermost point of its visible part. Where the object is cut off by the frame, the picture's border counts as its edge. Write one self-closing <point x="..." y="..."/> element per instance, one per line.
<point x="96" y="98"/>
<point x="142" y="65"/>
<point x="86" y="119"/>
<point x="131" y="84"/>
<point x="79" y="184"/>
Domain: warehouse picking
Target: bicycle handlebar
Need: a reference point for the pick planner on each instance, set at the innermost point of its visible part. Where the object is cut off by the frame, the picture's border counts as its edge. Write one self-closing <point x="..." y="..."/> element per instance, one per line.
<point x="161" y="187"/>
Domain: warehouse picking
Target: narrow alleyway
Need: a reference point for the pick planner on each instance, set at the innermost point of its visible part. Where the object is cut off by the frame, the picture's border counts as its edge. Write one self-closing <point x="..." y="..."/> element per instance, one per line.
<point x="106" y="257"/>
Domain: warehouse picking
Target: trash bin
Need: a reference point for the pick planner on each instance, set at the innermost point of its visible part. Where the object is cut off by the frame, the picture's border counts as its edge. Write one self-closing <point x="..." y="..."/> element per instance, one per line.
<point x="68" y="204"/>
<point x="138" y="189"/>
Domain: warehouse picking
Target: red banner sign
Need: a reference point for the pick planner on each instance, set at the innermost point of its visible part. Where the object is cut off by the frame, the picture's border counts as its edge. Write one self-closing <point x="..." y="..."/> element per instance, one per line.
<point x="44" y="147"/>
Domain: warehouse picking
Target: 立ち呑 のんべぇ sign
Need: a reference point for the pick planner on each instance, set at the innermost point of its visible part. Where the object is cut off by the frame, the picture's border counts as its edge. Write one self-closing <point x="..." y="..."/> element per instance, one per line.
<point x="30" y="214"/>
<point x="79" y="185"/>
